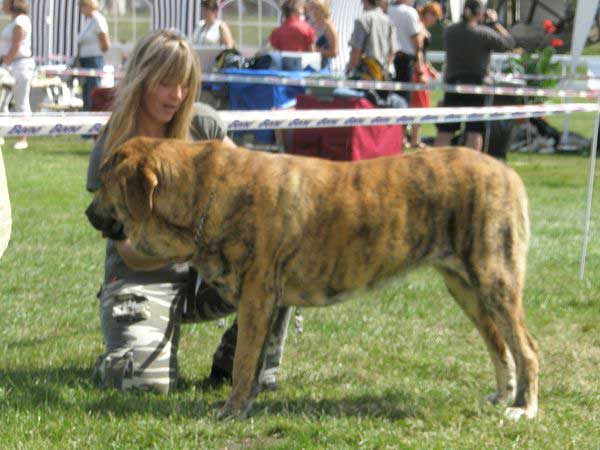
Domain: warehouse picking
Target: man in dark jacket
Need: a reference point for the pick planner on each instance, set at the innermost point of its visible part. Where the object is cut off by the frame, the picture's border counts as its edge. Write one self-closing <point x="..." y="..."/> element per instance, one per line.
<point x="468" y="46"/>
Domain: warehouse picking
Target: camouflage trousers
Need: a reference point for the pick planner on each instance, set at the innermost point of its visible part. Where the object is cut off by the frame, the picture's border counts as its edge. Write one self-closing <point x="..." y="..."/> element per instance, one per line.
<point x="141" y="328"/>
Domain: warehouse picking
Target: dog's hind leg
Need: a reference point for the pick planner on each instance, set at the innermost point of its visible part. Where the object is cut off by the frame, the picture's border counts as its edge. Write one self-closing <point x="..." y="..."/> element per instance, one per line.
<point x="504" y="366"/>
<point x="501" y="295"/>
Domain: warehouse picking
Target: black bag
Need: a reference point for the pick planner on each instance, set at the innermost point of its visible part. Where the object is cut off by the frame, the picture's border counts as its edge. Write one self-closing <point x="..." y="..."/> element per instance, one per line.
<point x="230" y="58"/>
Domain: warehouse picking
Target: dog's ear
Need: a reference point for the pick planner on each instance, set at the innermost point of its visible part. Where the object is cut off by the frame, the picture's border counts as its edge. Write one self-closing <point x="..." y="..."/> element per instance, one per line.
<point x="139" y="191"/>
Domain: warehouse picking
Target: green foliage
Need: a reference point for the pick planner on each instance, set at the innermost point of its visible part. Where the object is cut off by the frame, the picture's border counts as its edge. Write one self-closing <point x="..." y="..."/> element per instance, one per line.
<point x="538" y="64"/>
<point x="398" y="368"/>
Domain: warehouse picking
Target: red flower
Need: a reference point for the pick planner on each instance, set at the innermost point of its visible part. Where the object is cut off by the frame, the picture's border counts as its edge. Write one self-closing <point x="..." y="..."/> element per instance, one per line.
<point x="557" y="42"/>
<point x="549" y="26"/>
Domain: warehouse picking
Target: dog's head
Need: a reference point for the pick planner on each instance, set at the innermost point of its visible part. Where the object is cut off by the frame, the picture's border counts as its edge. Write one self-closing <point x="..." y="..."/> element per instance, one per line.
<point x="147" y="186"/>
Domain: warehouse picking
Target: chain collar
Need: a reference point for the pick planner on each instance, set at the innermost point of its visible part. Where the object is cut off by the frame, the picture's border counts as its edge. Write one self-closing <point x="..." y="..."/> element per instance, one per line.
<point x="203" y="217"/>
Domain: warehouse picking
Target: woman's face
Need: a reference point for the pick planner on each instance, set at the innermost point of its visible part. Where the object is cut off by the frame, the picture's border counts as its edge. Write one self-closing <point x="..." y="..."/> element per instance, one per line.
<point x="429" y="20"/>
<point x="159" y="104"/>
<point x="86" y="10"/>
<point x="207" y="13"/>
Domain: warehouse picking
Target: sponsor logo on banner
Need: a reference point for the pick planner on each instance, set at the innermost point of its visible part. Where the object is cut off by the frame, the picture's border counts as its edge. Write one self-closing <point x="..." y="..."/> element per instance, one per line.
<point x="20" y="130"/>
<point x="404" y="119"/>
<point x="270" y="124"/>
<point x="299" y="123"/>
<point x="64" y="129"/>
<point x="354" y="121"/>
<point x="429" y="118"/>
<point x="381" y="120"/>
<point x="240" y="125"/>
<point x="95" y="129"/>
<point x="327" y="122"/>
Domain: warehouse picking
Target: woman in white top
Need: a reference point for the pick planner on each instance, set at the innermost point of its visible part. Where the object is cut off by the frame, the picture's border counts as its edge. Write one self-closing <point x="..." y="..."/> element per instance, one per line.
<point x="93" y="42"/>
<point x="15" y="52"/>
<point x="212" y="32"/>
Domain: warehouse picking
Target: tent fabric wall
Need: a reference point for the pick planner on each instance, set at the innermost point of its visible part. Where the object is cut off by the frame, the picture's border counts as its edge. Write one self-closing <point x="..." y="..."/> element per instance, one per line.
<point x="343" y="14"/>
<point x="584" y="16"/>
<point x="176" y="14"/>
<point x="56" y="24"/>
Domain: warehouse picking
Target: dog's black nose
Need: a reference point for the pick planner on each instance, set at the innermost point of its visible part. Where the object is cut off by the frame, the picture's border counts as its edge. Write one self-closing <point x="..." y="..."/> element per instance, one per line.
<point x="110" y="228"/>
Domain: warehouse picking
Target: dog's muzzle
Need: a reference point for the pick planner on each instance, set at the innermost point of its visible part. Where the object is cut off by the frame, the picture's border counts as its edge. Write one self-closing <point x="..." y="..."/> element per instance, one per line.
<point x="109" y="227"/>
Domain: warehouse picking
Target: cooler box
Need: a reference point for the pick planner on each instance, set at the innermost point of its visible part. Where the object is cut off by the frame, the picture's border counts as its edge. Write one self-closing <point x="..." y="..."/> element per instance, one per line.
<point x="249" y="96"/>
<point x="346" y="143"/>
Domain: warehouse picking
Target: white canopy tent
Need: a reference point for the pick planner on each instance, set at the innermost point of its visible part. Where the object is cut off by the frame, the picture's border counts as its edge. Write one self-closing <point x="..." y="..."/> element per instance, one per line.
<point x="584" y="16"/>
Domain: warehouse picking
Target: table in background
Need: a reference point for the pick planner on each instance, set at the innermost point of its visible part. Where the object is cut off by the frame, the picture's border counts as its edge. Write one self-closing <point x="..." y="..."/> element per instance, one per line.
<point x="347" y="143"/>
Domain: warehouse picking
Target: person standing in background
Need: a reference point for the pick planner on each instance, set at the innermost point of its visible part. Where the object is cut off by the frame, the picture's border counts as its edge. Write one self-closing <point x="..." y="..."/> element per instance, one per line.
<point x="93" y="43"/>
<point x="327" y="36"/>
<point x="373" y="37"/>
<point x="211" y="31"/>
<point x="410" y="42"/>
<point x="294" y="34"/>
<point x="429" y="14"/>
<point x="15" y="53"/>
<point x="469" y="45"/>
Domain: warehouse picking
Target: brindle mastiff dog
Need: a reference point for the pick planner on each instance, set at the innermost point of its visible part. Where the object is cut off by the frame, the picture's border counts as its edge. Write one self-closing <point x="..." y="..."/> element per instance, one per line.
<point x="269" y="230"/>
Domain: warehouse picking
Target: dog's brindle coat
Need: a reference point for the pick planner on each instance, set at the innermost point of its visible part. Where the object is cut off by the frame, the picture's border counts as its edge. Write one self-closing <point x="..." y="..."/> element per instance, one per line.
<point x="269" y="230"/>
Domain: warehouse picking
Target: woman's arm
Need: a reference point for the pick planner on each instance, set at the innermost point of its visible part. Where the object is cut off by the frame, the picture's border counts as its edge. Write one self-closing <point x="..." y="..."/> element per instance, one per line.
<point x="226" y="37"/>
<point x="355" y="54"/>
<point x="104" y="41"/>
<point x="228" y="142"/>
<point x="17" y="37"/>
<point x="334" y="42"/>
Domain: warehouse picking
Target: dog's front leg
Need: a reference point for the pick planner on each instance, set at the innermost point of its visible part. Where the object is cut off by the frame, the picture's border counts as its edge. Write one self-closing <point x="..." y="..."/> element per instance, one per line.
<point x="255" y="318"/>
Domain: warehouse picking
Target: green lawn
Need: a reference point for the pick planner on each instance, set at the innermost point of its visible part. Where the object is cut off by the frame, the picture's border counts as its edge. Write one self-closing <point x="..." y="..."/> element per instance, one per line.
<point x="400" y="368"/>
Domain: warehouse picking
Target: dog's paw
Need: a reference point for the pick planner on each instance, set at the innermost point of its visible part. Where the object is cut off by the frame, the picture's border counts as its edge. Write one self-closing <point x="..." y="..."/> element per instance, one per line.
<point x="500" y="398"/>
<point x="231" y="412"/>
<point x="515" y="413"/>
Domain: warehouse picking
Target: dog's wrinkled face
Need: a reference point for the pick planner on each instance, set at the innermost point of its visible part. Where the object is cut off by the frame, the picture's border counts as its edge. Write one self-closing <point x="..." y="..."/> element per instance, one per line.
<point x="134" y="179"/>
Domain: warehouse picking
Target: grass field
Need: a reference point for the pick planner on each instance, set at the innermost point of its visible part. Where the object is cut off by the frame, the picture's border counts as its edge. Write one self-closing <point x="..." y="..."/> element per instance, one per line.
<point x="400" y="368"/>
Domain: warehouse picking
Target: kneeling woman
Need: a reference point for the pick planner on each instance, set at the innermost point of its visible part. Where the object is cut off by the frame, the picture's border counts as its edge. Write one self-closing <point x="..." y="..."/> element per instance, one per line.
<point x="143" y="300"/>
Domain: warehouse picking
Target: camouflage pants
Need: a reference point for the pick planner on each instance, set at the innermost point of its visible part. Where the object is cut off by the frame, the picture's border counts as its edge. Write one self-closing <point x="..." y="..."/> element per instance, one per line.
<point x="141" y="327"/>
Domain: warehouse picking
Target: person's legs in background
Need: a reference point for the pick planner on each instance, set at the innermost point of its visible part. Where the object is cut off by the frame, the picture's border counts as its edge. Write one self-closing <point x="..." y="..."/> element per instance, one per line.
<point x="474" y="140"/>
<point x="403" y="66"/>
<point x="90" y="83"/>
<point x="22" y="71"/>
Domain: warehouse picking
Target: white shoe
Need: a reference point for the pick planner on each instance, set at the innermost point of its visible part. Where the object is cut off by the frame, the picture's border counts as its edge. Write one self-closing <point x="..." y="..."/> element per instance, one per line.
<point x="20" y="145"/>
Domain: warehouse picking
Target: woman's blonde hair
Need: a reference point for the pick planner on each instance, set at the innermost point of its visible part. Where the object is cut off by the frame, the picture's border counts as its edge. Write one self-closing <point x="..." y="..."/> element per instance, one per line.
<point x="163" y="56"/>
<point x="91" y="3"/>
<point x="323" y="6"/>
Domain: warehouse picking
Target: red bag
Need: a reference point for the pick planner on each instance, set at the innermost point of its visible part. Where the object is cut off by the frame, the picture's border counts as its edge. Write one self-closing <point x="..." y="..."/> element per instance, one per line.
<point x="102" y="99"/>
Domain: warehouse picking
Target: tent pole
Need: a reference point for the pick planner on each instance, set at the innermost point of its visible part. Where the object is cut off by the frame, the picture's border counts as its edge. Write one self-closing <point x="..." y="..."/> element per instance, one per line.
<point x="590" y="191"/>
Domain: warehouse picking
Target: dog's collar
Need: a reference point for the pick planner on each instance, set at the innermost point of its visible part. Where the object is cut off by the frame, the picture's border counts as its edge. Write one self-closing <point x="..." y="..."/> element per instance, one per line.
<point x="203" y="216"/>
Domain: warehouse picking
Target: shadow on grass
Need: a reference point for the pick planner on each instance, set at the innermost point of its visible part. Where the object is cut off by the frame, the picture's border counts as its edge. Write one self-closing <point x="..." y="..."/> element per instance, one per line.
<point x="82" y="152"/>
<point x="73" y="388"/>
<point x="70" y="389"/>
<point x="393" y="405"/>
